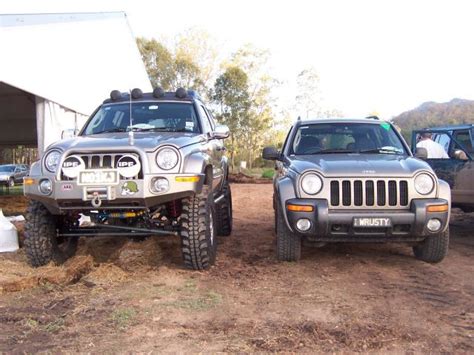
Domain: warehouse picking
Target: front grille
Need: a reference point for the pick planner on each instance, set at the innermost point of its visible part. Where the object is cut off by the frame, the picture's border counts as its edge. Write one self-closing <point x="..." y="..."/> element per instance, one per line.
<point x="103" y="161"/>
<point x="369" y="193"/>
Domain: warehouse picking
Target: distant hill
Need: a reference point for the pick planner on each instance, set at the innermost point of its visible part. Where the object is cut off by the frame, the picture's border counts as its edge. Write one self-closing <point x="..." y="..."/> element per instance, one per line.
<point x="432" y="114"/>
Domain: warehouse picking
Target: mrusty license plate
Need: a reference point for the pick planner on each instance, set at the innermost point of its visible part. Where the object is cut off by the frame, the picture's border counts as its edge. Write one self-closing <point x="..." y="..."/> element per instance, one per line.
<point x="98" y="177"/>
<point x="372" y="222"/>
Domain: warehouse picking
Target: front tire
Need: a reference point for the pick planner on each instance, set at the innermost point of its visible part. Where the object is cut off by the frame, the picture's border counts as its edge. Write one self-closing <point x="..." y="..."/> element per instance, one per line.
<point x="434" y="248"/>
<point x="198" y="230"/>
<point x="288" y="243"/>
<point x="224" y="212"/>
<point x="11" y="182"/>
<point x="41" y="242"/>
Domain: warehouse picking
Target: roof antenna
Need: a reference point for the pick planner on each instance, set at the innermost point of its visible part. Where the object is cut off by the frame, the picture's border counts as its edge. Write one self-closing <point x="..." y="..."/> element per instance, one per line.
<point x="131" y="134"/>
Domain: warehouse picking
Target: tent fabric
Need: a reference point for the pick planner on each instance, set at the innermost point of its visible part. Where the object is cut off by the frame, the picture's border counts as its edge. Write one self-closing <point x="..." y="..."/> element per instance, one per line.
<point x="64" y="66"/>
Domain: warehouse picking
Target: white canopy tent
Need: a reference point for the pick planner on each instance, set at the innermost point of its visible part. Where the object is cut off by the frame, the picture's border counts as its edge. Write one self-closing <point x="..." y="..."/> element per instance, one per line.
<point x="55" y="69"/>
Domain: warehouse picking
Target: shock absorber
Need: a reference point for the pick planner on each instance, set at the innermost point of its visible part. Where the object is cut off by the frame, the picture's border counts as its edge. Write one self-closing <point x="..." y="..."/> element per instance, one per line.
<point x="174" y="208"/>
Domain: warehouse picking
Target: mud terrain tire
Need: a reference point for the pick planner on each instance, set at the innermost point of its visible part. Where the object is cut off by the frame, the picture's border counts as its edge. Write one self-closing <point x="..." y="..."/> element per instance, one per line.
<point x="41" y="243"/>
<point x="288" y="243"/>
<point x="224" y="212"/>
<point x="198" y="230"/>
<point x="434" y="248"/>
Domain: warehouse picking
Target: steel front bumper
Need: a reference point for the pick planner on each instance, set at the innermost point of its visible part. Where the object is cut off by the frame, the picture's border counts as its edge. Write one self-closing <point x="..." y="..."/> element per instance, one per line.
<point x="338" y="226"/>
<point x="68" y="195"/>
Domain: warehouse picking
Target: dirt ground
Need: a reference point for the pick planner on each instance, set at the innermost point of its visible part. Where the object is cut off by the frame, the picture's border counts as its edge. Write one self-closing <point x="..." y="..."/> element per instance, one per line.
<point x="121" y="296"/>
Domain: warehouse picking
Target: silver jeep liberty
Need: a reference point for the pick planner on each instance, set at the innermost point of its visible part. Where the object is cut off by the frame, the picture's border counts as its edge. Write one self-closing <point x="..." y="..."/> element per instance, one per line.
<point x="144" y="164"/>
<point x="356" y="180"/>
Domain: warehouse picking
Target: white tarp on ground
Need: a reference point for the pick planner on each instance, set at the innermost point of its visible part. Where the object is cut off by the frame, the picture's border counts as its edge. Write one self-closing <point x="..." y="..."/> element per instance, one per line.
<point x="70" y="63"/>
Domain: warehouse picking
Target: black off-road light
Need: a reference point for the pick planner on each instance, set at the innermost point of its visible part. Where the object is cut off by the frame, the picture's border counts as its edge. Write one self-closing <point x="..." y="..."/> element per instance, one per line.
<point x="181" y="93"/>
<point x="115" y="95"/>
<point x="137" y="93"/>
<point x="158" y="93"/>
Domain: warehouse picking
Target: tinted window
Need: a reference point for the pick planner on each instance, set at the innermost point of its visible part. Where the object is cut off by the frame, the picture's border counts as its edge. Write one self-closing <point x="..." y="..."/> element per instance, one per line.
<point x="347" y="138"/>
<point x="147" y="116"/>
<point x="7" y="169"/>
<point x="464" y="138"/>
<point x="205" y="119"/>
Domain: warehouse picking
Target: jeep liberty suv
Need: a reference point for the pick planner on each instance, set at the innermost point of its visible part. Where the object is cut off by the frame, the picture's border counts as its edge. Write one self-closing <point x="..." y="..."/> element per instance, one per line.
<point x="144" y="164"/>
<point x="356" y="180"/>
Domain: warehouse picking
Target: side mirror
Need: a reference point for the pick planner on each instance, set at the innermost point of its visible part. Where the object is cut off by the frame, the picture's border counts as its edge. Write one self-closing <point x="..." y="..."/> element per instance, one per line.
<point x="421" y="153"/>
<point x="221" y="132"/>
<point x="69" y="133"/>
<point x="271" y="153"/>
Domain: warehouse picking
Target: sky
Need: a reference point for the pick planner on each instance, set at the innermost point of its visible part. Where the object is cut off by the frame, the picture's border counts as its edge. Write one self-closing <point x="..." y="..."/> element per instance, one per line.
<point x="372" y="56"/>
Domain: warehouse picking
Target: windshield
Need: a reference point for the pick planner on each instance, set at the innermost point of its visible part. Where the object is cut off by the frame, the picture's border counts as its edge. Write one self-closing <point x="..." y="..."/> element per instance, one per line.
<point x="147" y="116"/>
<point x="347" y="138"/>
<point x="7" y="169"/>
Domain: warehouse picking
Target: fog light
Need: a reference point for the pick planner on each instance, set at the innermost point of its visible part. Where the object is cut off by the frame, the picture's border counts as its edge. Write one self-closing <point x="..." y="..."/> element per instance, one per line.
<point x="303" y="224"/>
<point x="46" y="187"/>
<point x="161" y="185"/>
<point x="433" y="225"/>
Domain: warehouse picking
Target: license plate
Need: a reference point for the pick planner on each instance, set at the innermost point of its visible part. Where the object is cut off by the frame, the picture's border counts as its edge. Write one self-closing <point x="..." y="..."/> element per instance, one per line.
<point x="98" y="177"/>
<point x="372" y="222"/>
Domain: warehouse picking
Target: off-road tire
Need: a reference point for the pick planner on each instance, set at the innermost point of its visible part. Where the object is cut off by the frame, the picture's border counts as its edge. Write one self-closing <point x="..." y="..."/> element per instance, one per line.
<point x="198" y="230"/>
<point x="288" y="244"/>
<point x="434" y="248"/>
<point x="224" y="212"/>
<point x="41" y="243"/>
<point x="11" y="182"/>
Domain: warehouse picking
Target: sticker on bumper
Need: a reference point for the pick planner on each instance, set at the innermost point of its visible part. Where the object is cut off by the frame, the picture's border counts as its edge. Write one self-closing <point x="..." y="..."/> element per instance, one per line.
<point x="129" y="188"/>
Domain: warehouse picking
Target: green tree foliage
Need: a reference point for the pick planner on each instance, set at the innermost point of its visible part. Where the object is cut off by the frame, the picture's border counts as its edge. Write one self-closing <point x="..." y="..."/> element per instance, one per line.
<point x="159" y="63"/>
<point x="432" y="114"/>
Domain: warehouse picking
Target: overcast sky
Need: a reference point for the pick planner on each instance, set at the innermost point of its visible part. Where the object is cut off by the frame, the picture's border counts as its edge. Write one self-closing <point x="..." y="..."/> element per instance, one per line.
<point x="383" y="56"/>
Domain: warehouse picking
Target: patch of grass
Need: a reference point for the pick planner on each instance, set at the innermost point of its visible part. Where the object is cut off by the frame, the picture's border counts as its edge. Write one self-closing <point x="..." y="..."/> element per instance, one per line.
<point x="122" y="317"/>
<point x="199" y="303"/>
<point x="54" y="326"/>
<point x="30" y="323"/>
<point x="268" y="173"/>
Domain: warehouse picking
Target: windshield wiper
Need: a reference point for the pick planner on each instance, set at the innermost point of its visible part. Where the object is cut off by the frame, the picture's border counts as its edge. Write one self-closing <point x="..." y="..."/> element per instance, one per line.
<point x="390" y="150"/>
<point x="112" y="130"/>
<point x="342" y="151"/>
<point x="158" y="129"/>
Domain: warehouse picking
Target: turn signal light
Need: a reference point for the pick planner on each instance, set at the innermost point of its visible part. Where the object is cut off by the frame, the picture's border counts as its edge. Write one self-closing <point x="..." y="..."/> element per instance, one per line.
<point x="28" y="181"/>
<point x="187" y="178"/>
<point x="437" y="208"/>
<point x="300" y="208"/>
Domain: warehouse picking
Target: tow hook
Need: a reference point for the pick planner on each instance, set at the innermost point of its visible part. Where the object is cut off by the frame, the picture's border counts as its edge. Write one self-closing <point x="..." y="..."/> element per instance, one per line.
<point x="96" y="201"/>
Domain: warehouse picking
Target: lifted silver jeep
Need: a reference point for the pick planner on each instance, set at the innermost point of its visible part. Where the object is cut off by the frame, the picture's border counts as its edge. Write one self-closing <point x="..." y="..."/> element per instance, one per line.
<point x="143" y="165"/>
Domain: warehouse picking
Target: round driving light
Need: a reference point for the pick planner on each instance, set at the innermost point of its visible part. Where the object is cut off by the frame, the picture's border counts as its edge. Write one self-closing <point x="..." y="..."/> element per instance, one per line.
<point x="424" y="184"/>
<point x="161" y="185"/>
<point x="167" y="158"/>
<point x="128" y="166"/>
<point x="311" y="184"/>
<point x="434" y="225"/>
<point x="51" y="161"/>
<point x="72" y="165"/>
<point x="303" y="224"/>
<point x="45" y="187"/>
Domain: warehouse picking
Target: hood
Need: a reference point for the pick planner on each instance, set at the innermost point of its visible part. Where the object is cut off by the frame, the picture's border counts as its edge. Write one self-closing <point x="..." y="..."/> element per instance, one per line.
<point x="359" y="164"/>
<point x="148" y="141"/>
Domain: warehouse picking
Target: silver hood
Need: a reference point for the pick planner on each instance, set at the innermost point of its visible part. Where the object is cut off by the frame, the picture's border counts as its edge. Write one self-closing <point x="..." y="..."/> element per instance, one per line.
<point x="335" y="165"/>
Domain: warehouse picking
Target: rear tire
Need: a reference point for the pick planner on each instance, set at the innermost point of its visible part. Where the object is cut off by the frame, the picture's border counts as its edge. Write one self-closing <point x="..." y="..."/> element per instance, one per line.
<point x="434" y="248"/>
<point x="288" y="243"/>
<point x="224" y="212"/>
<point x="11" y="182"/>
<point x="198" y="230"/>
<point x="41" y="243"/>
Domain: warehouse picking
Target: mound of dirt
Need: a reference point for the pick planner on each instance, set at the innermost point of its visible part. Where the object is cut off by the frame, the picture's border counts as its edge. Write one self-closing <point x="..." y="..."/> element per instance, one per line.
<point x="137" y="255"/>
<point x="105" y="275"/>
<point x="13" y="205"/>
<point x="241" y="178"/>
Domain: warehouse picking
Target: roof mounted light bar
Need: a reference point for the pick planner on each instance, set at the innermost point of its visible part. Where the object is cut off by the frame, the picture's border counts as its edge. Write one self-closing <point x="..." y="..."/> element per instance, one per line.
<point x="373" y="118"/>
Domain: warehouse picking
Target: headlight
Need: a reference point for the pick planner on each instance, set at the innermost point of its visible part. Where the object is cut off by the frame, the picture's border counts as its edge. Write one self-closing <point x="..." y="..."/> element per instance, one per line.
<point x="311" y="184"/>
<point x="51" y="161"/>
<point x="167" y="158"/>
<point x="424" y="184"/>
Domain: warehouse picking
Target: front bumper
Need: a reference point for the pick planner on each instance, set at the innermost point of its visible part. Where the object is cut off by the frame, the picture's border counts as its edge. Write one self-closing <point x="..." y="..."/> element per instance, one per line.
<point x="338" y="225"/>
<point x="68" y="195"/>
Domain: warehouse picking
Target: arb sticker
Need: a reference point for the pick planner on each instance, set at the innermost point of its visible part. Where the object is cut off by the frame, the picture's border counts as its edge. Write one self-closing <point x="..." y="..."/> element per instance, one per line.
<point x="66" y="187"/>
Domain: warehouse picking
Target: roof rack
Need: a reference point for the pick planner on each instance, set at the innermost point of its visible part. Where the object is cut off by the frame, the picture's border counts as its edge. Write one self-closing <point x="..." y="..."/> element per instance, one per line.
<point x="373" y="118"/>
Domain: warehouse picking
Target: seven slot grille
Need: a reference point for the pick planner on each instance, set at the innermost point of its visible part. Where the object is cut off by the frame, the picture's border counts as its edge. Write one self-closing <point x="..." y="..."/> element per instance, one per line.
<point x="103" y="161"/>
<point x="369" y="193"/>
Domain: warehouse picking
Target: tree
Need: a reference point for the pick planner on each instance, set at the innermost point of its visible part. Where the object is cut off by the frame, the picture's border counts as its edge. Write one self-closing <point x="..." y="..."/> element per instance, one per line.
<point x="232" y="101"/>
<point x="159" y="63"/>
<point x="308" y="99"/>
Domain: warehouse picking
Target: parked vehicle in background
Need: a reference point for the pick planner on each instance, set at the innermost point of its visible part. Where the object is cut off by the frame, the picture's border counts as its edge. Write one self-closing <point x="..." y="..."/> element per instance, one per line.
<point x="458" y="169"/>
<point x="356" y="180"/>
<point x="11" y="174"/>
<point x="143" y="165"/>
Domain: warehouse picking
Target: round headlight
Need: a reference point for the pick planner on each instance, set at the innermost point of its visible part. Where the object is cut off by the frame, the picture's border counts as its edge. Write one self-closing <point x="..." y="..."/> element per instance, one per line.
<point x="311" y="184"/>
<point x="424" y="184"/>
<point x="51" y="161"/>
<point x="167" y="158"/>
